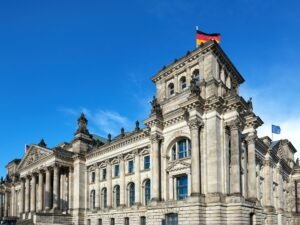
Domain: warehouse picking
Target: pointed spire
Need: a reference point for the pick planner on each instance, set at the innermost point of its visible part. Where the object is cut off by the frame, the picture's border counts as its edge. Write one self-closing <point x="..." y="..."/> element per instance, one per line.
<point x="82" y="125"/>
<point x="42" y="143"/>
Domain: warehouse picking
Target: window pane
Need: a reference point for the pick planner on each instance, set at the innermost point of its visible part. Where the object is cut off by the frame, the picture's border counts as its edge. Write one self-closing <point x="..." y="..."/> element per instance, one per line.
<point x="104" y="174"/>
<point x="130" y="166"/>
<point x="172" y="219"/>
<point x="182" y="187"/>
<point x="182" y="149"/>
<point x="143" y="220"/>
<point x="146" y="162"/>
<point x="147" y="192"/>
<point x="117" y="170"/>
<point x="131" y="194"/>
<point x="117" y="196"/>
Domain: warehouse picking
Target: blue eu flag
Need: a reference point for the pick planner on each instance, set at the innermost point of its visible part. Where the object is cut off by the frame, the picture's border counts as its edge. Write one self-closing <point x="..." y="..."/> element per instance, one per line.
<point x="276" y="129"/>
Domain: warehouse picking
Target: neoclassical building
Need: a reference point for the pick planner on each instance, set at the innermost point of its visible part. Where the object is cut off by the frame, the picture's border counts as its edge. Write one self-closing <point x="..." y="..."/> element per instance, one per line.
<point x="197" y="160"/>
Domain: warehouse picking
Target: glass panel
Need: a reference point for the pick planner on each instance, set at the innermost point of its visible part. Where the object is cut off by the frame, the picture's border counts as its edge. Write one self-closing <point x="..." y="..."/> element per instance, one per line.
<point x="147" y="192"/>
<point x="132" y="195"/>
<point x="143" y="220"/>
<point x="130" y="167"/>
<point x="104" y="174"/>
<point x="182" y="187"/>
<point x="117" y="170"/>
<point x="146" y="162"/>
<point x="182" y="149"/>
<point x="117" y="195"/>
<point x="172" y="219"/>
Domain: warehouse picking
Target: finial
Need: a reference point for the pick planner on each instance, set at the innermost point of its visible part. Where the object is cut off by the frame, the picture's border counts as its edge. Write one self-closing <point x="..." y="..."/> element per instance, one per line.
<point x="137" y="125"/>
<point x="82" y="125"/>
<point x="42" y="143"/>
<point x="122" y="132"/>
<point x="188" y="52"/>
<point x="109" y="138"/>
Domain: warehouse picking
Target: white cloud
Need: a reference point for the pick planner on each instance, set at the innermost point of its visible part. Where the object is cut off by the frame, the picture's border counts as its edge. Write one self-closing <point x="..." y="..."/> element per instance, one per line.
<point x="101" y="122"/>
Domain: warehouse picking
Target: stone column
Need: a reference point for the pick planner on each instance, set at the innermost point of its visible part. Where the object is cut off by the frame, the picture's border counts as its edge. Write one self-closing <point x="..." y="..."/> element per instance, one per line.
<point x="97" y="184"/>
<point x="280" y="186"/>
<point x="71" y="177"/>
<point x="40" y="193"/>
<point x="48" y="189"/>
<point x="56" y="193"/>
<point x="252" y="191"/>
<point x="109" y="184"/>
<point x="194" y="125"/>
<point x="33" y="193"/>
<point x="137" y="179"/>
<point x="1" y="206"/>
<point x="122" y="182"/>
<point x="155" y="139"/>
<point x="27" y="195"/>
<point x="268" y="191"/>
<point x="235" y="178"/>
<point x="6" y="204"/>
<point x="22" y="193"/>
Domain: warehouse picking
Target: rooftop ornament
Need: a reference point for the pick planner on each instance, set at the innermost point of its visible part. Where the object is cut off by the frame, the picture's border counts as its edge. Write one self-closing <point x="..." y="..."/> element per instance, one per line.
<point x="82" y="125"/>
<point x="156" y="109"/>
<point x="42" y="143"/>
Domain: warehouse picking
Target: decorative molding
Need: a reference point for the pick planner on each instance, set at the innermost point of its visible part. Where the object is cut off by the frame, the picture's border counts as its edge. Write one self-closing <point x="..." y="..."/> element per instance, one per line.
<point x="195" y="124"/>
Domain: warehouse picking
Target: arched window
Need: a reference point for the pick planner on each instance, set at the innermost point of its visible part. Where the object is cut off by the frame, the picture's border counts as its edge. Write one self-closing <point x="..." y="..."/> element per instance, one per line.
<point x="93" y="199"/>
<point x="147" y="191"/>
<point x="131" y="194"/>
<point x="104" y="197"/>
<point x="171" y="89"/>
<point x="181" y="149"/>
<point x="183" y="83"/>
<point x="196" y="76"/>
<point x="117" y="196"/>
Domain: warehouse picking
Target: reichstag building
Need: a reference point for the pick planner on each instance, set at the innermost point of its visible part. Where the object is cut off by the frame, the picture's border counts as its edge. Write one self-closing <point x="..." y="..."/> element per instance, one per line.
<point x="196" y="160"/>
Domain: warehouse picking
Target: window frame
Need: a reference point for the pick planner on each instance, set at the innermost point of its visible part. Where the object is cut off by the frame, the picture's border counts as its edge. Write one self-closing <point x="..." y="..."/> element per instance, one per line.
<point x="117" y="196"/>
<point x="147" y="164"/>
<point x="104" y="174"/>
<point x="181" y="187"/>
<point x="130" y="167"/>
<point x="131" y="194"/>
<point x="183" y="83"/>
<point x="171" y="89"/>
<point x="116" y="171"/>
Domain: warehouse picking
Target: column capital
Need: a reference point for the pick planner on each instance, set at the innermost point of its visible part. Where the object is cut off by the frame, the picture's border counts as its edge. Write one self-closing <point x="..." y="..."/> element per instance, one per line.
<point x="251" y="138"/>
<point x="235" y="124"/>
<point x="195" y="123"/>
<point x="156" y="138"/>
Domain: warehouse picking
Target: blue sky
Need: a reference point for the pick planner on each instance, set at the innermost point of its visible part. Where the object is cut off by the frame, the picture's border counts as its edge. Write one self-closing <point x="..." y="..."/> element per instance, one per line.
<point x="58" y="58"/>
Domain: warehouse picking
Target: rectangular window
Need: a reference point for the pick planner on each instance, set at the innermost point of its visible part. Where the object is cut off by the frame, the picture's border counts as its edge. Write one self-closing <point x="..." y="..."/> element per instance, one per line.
<point x="99" y="221"/>
<point x="172" y="219"/>
<point x="89" y="222"/>
<point x="182" y="187"/>
<point x="143" y="220"/>
<point x="130" y="167"/>
<point x="147" y="162"/>
<point x="104" y="174"/>
<point x="126" y="221"/>
<point x="117" y="170"/>
<point x="112" y="221"/>
<point x="93" y="177"/>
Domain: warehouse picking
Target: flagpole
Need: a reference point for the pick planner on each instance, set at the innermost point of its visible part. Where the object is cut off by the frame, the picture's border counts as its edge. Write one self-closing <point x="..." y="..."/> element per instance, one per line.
<point x="197" y="28"/>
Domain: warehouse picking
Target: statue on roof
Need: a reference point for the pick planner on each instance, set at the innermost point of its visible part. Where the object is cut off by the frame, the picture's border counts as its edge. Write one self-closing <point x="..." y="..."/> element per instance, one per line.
<point x="42" y="143"/>
<point x="195" y="89"/>
<point x="82" y="125"/>
<point x="250" y="105"/>
<point x="156" y="109"/>
<point x="137" y="125"/>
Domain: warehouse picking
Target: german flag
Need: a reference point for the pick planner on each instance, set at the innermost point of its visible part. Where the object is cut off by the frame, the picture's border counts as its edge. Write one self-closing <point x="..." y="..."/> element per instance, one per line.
<point x="202" y="37"/>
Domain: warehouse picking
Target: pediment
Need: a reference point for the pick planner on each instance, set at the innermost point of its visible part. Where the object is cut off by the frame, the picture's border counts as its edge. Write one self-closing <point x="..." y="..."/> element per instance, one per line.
<point x="178" y="165"/>
<point x="34" y="154"/>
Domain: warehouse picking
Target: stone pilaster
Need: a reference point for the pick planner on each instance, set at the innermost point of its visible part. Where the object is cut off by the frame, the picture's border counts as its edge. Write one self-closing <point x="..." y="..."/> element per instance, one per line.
<point x="1" y="206"/>
<point x="33" y="193"/>
<point x="122" y="182"/>
<point x="71" y="177"/>
<point x="268" y="191"/>
<point x="97" y="185"/>
<point x="48" y="189"/>
<point x="252" y="192"/>
<point x="22" y="195"/>
<point x="109" y="184"/>
<point x="137" y="179"/>
<point x="235" y="178"/>
<point x="27" y="195"/>
<point x="40" y="193"/>
<point x="56" y="191"/>
<point x="155" y="188"/>
<point x="280" y="187"/>
<point x="194" y="125"/>
<point x="5" y="204"/>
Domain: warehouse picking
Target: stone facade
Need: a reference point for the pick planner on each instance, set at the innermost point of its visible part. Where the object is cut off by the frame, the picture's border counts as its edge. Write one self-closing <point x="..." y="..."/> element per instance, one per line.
<point x="197" y="161"/>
